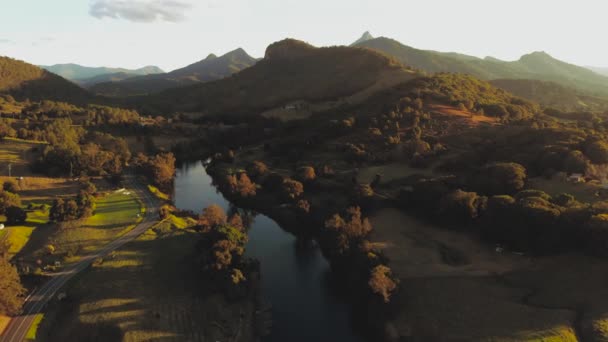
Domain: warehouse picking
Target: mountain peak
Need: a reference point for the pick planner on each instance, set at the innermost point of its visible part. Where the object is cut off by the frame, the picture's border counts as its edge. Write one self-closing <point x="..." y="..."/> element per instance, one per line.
<point x="365" y="37"/>
<point x="240" y="52"/>
<point x="537" y="55"/>
<point x="287" y="48"/>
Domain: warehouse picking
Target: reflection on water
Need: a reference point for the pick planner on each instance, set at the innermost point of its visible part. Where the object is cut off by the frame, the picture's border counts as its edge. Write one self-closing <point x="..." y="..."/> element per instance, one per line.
<point x="295" y="275"/>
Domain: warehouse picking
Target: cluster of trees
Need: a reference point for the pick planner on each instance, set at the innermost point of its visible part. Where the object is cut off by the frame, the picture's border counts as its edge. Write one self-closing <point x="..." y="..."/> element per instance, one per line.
<point x="160" y="168"/>
<point x="503" y="212"/>
<point x="473" y="95"/>
<point x="10" y="205"/>
<point x="221" y="248"/>
<point x="81" y="207"/>
<point x="346" y="237"/>
<point x="10" y="283"/>
<point x="241" y="184"/>
<point x="75" y="152"/>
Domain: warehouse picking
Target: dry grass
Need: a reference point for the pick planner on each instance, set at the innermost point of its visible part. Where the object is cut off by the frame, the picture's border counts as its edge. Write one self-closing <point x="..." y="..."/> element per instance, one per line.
<point x="472" y="118"/>
<point x="456" y="288"/>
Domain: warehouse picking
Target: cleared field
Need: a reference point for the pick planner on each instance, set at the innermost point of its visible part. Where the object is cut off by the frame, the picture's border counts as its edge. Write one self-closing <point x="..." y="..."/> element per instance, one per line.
<point x="116" y="214"/>
<point x="16" y="152"/>
<point x="455" y="288"/>
<point x="147" y="291"/>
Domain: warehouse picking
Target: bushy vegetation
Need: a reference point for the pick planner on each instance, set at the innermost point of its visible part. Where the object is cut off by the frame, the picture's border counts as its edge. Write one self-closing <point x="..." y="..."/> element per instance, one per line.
<point x="10" y="283"/>
<point x="221" y="249"/>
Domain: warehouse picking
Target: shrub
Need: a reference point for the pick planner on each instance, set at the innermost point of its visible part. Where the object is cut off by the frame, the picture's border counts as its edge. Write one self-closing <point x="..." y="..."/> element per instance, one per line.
<point x="10" y="186"/>
<point x="307" y="174"/>
<point x="245" y="187"/>
<point x="292" y="188"/>
<point x="500" y="178"/>
<point x="257" y="169"/>
<point x="212" y="216"/>
<point x="380" y="282"/>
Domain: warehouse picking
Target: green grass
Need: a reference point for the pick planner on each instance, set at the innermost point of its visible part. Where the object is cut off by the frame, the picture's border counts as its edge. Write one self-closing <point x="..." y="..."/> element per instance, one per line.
<point x="159" y="194"/>
<point x="18" y="236"/>
<point x="32" y="332"/>
<point x="115" y="215"/>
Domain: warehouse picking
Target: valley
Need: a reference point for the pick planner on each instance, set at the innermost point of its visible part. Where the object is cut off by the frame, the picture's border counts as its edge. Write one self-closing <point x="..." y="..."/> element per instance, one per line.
<point x="362" y="192"/>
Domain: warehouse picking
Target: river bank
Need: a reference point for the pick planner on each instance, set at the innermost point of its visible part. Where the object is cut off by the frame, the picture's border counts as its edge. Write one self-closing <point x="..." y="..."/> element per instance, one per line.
<point x="296" y="280"/>
<point x="350" y="273"/>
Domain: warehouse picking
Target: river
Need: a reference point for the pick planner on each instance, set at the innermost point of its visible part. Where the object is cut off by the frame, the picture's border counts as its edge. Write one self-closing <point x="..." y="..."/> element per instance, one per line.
<point x="295" y="276"/>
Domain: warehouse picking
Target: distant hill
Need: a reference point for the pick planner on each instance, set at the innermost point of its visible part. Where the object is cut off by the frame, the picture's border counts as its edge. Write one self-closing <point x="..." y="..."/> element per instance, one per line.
<point x="365" y="37"/>
<point x="115" y="77"/>
<point x="208" y="69"/>
<point x="601" y="71"/>
<point x="76" y="73"/>
<point x="290" y="71"/>
<point x="537" y="65"/>
<point x="551" y="94"/>
<point x="27" y="81"/>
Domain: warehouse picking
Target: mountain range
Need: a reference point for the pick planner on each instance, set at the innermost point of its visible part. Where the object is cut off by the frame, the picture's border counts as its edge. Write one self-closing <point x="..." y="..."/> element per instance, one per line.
<point x="208" y="69"/>
<point x="290" y="71"/>
<point x="82" y="74"/>
<point x="536" y="66"/>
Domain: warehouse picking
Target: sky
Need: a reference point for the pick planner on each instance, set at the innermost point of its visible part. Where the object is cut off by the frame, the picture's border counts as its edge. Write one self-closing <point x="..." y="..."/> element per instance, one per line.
<point x="174" y="33"/>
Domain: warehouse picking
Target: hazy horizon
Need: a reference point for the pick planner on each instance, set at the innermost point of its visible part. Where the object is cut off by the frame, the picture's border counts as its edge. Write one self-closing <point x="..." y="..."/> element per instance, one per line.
<point x="172" y="34"/>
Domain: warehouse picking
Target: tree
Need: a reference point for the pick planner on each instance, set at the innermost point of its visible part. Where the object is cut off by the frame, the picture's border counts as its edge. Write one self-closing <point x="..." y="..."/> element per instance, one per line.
<point x="15" y="215"/>
<point x="10" y="186"/>
<point x="245" y="187"/>
<point x="461" y="205"/>
<point x="7" y="200"/>
<point x="597" y="151"/>
<point x="57" y="211"/>
<point x="257" y="169"/>
<point x="212" y="216"/>
<point x="292" y="188"/>
<point x="380" y="282"/>
<point x="10" y="303"/>
<point x="349" y="231"/>
<point x="307" y="174"/>
<point x="500" y="178"/>
<point x="163" y="169"/>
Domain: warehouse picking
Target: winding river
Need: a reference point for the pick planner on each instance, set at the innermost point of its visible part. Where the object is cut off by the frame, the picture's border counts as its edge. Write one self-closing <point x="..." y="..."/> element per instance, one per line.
<point x="295" y="276"/>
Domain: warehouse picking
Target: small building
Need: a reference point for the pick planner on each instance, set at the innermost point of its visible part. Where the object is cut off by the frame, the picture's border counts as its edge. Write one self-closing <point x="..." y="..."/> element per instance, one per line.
<point x="1" y="226"/>
<point x="576" y="178"/>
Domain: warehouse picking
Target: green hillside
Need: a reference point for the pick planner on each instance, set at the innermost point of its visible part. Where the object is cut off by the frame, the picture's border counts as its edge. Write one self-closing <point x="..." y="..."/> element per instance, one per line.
<point x="26" y="81"/>
<point x="536" y="66"/>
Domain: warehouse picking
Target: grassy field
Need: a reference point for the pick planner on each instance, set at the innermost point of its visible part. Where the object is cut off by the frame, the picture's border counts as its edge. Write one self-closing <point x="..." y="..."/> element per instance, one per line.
<point x="147" y="291"/>
<point x="116" y="214"/>
<point x="4" y="320"/>
<point x="456" y="288"/>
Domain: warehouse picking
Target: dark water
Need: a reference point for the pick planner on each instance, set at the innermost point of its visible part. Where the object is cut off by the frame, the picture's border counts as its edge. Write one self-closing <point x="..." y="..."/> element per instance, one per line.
<point x="295" y="275"/>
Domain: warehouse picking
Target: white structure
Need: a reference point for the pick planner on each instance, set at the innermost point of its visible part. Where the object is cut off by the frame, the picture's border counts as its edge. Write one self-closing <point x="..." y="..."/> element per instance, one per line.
<point x="1" y="226"/>
<point x="576" y="178"/>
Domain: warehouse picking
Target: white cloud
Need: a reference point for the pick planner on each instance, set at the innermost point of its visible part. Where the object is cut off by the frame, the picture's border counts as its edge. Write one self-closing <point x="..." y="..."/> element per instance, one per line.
<point x="6" y="41"/>
<point x="145" y="11"/>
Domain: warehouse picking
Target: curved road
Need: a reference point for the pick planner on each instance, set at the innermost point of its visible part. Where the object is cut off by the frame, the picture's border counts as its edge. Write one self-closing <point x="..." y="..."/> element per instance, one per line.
<point x="17" y="329"/>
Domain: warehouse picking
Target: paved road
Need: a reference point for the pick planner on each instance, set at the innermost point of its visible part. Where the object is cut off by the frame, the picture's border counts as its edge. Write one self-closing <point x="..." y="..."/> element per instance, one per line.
<point x="19" y="326"/>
